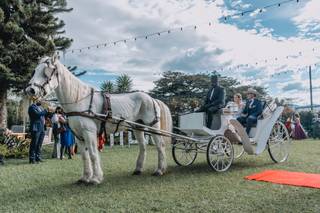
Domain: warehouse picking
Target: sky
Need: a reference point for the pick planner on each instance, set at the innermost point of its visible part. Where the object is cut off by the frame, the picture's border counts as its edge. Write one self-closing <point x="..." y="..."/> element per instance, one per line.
<point x="251" y="48"/>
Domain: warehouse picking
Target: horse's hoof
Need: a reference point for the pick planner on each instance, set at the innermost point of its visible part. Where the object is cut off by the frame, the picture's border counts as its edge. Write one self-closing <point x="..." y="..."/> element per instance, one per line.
<point x="157" y="174"/>
<point x="94" y="182"/>
<point x="81" y="182"/>
<point x="137" y="172"/>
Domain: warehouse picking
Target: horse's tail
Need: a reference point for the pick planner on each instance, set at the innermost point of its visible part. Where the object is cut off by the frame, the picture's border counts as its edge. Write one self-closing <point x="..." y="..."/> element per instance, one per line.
<point x="165" y="119"/>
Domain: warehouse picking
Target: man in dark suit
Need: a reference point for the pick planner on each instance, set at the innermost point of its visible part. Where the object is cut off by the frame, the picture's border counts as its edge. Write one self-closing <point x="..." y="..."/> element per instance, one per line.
<point x="37" y="128"/>
<point x="215" y="101"/>
<point x="251" y="111"/>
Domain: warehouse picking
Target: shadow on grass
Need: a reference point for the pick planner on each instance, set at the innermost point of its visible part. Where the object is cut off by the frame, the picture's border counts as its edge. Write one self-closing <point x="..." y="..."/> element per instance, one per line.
<point x="203" y="167"/>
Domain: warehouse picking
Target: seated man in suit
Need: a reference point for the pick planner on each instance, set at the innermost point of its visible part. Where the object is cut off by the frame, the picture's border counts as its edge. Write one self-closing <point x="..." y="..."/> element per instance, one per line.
<point x="215" y="101"/>
<point x="251" y="111"/>
<point x="37" y="128"/>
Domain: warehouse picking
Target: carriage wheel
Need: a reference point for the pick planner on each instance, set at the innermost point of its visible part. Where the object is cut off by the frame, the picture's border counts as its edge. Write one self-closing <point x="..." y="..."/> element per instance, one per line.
<point x="278" y="143"/>
<point x="238" y="150"/>
<point x="184" y="152"/>
<point x="220" y="153"/>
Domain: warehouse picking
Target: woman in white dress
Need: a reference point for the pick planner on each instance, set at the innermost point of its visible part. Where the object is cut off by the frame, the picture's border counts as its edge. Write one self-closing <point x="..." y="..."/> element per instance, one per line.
<point x="236" y="108"/>
<point x="237" y="98"/>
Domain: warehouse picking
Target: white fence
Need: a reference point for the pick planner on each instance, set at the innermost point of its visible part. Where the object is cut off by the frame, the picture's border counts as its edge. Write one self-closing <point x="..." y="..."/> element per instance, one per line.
<point x="130" y="141"/>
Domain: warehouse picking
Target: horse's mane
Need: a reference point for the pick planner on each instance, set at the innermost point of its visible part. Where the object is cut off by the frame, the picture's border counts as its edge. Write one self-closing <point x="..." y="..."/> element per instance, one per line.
<point x="76" y="88"/>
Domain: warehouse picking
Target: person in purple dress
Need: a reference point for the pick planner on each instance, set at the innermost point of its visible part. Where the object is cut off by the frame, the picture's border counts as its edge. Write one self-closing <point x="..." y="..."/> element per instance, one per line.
<point x="298" y="133"/>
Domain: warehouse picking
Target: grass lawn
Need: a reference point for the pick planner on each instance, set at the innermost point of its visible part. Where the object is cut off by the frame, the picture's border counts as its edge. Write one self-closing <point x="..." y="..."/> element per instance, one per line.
<point x="49" y="186"/>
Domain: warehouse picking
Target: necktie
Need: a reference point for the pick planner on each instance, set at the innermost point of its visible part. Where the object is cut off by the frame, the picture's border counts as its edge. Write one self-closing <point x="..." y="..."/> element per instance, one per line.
<point x="251" y="102"/>
<point x="211" y="94"/>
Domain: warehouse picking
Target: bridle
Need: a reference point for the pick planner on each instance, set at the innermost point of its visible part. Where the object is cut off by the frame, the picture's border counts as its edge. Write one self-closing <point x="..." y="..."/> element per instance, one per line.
<point x="48" y="79"/>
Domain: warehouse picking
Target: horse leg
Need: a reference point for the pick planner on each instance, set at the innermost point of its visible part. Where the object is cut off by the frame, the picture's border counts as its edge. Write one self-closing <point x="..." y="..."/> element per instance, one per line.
<point x="91" y="142"/>
<point x="162" y="164"/>
<point x="160" y="144"/>
<point x="142" y="152"/>
<point x="87" y="169"/>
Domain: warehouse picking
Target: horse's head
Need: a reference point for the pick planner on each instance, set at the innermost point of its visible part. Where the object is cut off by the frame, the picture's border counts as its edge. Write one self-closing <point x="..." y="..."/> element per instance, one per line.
<point x="44" y="79"/>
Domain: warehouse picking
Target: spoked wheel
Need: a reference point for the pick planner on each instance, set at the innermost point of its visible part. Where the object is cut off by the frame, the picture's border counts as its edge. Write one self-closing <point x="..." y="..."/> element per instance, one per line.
<point x="184" y="152"/>
<point x="238" y="150"/>
<point x="220" y="153"/>
<point x="278" y="143"/>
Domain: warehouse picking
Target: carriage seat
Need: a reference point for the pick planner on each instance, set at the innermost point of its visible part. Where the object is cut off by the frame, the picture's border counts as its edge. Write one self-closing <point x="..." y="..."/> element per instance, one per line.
<point x="261" y="116"/>
<point x="267" y="111"/>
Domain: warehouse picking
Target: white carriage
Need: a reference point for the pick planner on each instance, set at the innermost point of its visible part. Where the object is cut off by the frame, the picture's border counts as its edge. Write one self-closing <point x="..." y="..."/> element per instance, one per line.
<point x="221" y="149"/>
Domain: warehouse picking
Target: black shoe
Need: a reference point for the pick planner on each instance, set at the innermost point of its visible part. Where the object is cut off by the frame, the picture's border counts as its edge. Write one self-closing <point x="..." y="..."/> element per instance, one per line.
<point x="40" y="161"/>
<point x="32" y="162"/>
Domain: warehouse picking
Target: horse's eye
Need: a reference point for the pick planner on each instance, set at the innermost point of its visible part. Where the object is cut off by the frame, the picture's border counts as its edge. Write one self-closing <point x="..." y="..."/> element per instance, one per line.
<point x="48" y="72"/>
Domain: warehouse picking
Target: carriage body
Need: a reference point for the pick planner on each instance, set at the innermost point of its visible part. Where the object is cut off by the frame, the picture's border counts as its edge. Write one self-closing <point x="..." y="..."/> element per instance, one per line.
<point x="221" y="149"/>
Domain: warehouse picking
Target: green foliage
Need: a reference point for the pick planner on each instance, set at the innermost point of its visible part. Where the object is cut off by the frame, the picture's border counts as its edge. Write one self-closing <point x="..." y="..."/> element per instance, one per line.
<point x="107" y="86"/>
<point x="15" y="112"/>
<point x="124" y="83"/>
<point x="185" y="92"/>
<point x="306" y="121"/>
<point x="28" y="30"/>
<point x="73" y="70"/>
<point x="3" y="150"/>
<point x="13" y="147"/>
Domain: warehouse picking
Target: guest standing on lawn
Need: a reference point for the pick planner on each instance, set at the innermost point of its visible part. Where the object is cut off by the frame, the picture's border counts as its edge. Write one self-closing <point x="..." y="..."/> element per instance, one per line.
<point x="37" y="129"/>
<point x="66" y="136"/>
<point x="55" y="130"/>
<point x="298" y="133"/>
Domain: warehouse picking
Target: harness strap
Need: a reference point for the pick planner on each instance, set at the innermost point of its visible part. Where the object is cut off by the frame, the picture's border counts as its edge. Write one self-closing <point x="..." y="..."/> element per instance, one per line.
<point x="48" y="79"/>
<point x="156" y="118"/>
<point x="91" y="99"/>
<point x="118" y="124"/>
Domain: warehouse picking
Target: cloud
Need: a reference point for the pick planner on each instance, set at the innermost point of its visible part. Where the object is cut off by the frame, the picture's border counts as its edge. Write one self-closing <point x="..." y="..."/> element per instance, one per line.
<point x="308" y="20"/>
<point x="275" y="33"/>
<point x="293" y="86"/>
<point x="194" y="60"/>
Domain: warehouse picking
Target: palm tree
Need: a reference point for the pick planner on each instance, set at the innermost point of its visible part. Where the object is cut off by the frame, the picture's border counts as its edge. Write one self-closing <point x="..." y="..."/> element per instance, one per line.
<point x="124" y="83"/>
<point x="107" y="86"/>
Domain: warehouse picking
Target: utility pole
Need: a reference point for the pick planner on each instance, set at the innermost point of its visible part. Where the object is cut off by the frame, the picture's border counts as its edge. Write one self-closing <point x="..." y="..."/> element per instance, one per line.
<point x="310" y="83"/>
<point x="311" y="100"/>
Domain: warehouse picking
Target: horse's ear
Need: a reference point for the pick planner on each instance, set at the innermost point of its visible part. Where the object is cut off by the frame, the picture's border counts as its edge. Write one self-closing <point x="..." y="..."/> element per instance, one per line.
<point x="54" y="58"/>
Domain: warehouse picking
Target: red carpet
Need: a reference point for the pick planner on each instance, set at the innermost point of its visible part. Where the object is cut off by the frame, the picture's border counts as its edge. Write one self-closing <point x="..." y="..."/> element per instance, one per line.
<point x="288" y="178"/>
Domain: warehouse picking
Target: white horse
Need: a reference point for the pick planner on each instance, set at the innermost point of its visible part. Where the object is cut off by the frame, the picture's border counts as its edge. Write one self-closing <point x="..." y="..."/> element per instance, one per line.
<point x="50" y="75"/>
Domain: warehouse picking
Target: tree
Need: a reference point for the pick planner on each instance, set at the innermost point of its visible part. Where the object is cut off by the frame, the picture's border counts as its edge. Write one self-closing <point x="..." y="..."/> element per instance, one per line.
<point x="73" y="71"/>
<point x="243" y="88"/>
<point x="107" y="86"/>
<point x="306" y="118"/>
<point x="183" y="93"/>
<point x="124" y="83"/>
<point x="15" y="112"/>
<point x="29" y="29"/>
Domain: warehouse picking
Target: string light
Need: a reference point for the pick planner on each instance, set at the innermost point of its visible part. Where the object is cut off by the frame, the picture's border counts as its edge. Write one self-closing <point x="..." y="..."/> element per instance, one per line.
<point x="242" y="13"/>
